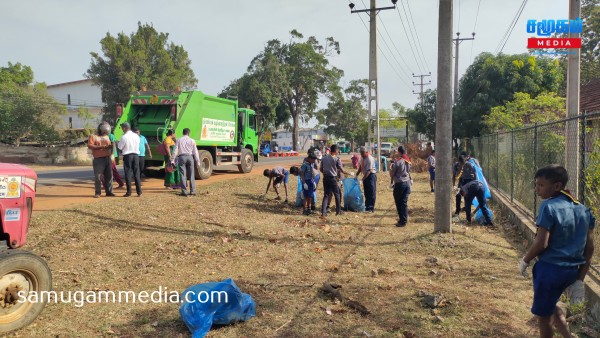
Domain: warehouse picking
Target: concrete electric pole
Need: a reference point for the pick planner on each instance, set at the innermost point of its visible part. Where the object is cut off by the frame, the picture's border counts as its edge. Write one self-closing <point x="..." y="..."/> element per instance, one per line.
<point x="443" y="120"/>
<point x="457" y="42"/>
<point x="573" y="83"/>
<point x="373" y="86"/>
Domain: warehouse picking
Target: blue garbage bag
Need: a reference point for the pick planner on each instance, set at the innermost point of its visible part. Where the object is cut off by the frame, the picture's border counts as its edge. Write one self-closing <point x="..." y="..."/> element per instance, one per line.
<point x="300" y="195"/>
<point x="217" y="303"/>
<point x="353" y="196"/>
<point x="481" y="178"/>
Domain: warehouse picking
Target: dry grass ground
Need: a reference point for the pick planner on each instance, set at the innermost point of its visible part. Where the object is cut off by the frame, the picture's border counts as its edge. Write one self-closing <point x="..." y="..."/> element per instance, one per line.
<point x="281" y="258"/>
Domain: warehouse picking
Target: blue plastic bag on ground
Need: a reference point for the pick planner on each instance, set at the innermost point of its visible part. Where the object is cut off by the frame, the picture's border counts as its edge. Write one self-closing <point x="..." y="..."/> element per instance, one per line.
<point x="300" y="195"/>
<point x="217" y="303"/>
<point x="353" y="196"/>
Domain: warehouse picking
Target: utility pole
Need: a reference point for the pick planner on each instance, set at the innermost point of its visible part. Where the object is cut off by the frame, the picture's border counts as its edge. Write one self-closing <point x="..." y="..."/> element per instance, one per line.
<point x="443" y="120"/>
<point x="373" y="86"/>
<point x="457" y="42"/>
<point x="421" y="84"/>
<point x="573" y="82"/>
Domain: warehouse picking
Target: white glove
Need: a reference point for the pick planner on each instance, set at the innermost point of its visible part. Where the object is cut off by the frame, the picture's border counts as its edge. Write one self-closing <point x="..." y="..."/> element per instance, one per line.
<point x="305" y="186"/>
<point x="392" y="185"/>
<point x="351" y="174"/>
<point x="523" y="268"/>
<point x="456" y="190"/>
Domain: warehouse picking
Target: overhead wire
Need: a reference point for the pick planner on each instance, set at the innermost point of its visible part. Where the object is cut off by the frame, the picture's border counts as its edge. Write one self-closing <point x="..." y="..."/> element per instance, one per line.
<point x="412" y="34"/>
<point x="474" y="27"/>
<point x="385" y="56"/>
<point x="412" y="48"/>
<point x="417" y="34"/>
<point x="395" y="47"/>
<point x="510" y="28"/>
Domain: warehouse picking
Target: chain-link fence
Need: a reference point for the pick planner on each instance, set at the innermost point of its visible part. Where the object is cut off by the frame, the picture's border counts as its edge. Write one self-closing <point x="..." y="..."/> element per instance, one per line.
<point x="510" y="159"/>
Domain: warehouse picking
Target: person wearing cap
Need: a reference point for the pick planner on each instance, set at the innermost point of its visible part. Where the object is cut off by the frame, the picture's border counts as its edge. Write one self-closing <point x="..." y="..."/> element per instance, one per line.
<point x="331" y="166"/>
<point x="101" y="148"/>
<point x="367" y="168"/>
<point x="129" y="145"/>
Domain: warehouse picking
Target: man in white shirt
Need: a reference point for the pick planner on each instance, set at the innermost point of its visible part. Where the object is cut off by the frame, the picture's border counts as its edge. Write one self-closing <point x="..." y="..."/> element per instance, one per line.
<point x="186" y="154"/>
<point x="130" y="148"/>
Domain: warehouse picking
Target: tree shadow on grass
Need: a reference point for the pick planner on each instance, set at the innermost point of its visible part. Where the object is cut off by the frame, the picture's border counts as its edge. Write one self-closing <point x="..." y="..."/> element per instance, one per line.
<point x="163" y="321"/>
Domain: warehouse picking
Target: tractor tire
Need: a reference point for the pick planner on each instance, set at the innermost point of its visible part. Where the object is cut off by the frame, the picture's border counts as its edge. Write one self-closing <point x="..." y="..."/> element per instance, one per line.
<point x="247" y="161"/>
<point x="22" y="271"/>
<point x="206" y="165"/>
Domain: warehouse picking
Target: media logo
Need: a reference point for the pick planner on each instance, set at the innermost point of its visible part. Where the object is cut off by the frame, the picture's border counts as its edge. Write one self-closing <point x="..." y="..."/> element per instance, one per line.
<point x="546" y="28"/>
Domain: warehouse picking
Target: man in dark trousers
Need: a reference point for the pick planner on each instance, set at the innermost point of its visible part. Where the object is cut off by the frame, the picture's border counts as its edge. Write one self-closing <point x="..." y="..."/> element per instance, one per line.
<point x="367" y="168"/>
<point x="471" y="190"/>
<point x="186" y="154"/>
<point x="331" y="166"/>
<point x="400" y="178"/>
<point x="130" y="148"/>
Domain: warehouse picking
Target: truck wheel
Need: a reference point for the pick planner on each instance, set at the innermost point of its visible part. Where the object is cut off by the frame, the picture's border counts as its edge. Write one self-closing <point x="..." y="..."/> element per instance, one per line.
<point x="247" y="161"/>
<point x="22" y="272"/>
<point x="206" y="161"/>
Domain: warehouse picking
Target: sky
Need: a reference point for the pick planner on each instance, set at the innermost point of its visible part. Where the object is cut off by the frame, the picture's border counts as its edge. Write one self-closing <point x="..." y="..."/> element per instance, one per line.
<point x="55" y="38"/>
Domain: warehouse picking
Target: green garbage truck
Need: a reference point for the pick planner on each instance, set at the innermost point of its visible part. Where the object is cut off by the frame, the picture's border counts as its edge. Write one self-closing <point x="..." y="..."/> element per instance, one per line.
<point x="224" y="133"/>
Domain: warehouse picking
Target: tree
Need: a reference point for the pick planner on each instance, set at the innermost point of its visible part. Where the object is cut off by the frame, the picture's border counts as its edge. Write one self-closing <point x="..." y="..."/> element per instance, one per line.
<point x="524" y="110"/>
<point x="297" y="74"/>
<point x="26" y="109"/>
<point x="590" y="47"/>
<point x="345" y="115"/>
<point x="422" y="118"/>
<point x="493" y="81"/>
<point x="142" y="59"/>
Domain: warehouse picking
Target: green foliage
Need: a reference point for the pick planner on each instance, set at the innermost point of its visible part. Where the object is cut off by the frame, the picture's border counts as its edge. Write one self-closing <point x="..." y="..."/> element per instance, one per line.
<point x="345" y="115"/>
<point x="492" y="81"/>
<point x="144" y="58"/>
<point x="524" y="110"/>
<point x="16" y="74"/>
<point x="592" y="181"/>
<point x="286" y="80"/>
<point x="422" y="118"/>
<point x="590" y="50"/>
<point x="26" y="109"/>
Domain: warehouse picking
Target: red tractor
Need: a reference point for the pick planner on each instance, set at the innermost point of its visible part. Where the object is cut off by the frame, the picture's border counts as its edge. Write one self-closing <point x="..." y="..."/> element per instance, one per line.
<point x="21" y="272"/>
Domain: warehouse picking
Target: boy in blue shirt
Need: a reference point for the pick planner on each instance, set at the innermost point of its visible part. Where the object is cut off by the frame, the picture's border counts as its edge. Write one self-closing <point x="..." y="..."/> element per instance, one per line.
<point x="307" y="177"/>
<point x="563" y="246"/>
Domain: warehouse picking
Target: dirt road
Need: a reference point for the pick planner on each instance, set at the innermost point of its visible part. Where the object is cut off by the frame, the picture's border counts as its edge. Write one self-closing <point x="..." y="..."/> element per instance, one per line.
<point x="51" y="196"/>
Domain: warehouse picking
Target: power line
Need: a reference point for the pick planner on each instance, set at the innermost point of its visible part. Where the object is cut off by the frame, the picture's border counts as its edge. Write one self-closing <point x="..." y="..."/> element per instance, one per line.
<point x="412" y="49"/>
<point x="418" y="40"/>
<point x="510" y="28"/>
<point x="394" y="44"/>
<point x="391" y="52"/>
<point x="474" y="27"/>
<point x="411" y="31"/>
<point x="383" y="54"/>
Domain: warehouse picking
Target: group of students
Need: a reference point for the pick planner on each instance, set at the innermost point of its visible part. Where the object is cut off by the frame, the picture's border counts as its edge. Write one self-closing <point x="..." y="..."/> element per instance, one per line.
<point x="309" y="173"/>
<point x="104" y="145"/>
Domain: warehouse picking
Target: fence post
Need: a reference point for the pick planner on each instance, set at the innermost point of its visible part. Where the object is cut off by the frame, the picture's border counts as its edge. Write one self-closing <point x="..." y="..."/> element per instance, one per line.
<point x="535" y="141"/>
<point x="512" y="164"/>
<point x="582" y="165"/>
<point x="497" y="160"/>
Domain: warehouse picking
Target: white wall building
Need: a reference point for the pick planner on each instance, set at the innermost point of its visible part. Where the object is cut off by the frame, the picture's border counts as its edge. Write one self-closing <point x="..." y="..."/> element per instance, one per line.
<point x="83" y="100"/>
<point x="308" y="137"/>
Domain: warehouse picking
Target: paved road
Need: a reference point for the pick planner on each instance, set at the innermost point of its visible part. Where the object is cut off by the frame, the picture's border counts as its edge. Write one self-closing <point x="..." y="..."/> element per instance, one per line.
<point x="59" y="177"/>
